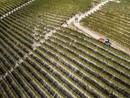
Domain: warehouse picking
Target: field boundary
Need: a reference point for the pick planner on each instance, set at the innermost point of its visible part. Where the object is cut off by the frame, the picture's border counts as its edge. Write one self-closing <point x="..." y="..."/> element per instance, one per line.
<point x="16" y="9"/>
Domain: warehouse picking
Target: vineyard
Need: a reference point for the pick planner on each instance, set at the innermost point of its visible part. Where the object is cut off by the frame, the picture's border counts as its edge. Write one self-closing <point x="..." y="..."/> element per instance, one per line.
<point x="113" y="21"/>
<point x="8" y="5"/>
<point x="41" y="59"/>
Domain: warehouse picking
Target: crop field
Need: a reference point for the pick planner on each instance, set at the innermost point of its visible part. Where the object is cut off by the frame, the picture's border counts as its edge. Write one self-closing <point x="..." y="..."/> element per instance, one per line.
<point x="41" y="59"/>
<point x="113" y="21"/>
<point x="8" y="5"/>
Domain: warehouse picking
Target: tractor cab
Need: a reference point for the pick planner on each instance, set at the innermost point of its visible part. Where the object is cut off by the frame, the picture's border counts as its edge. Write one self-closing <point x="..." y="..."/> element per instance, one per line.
<point x="107" y="42"/>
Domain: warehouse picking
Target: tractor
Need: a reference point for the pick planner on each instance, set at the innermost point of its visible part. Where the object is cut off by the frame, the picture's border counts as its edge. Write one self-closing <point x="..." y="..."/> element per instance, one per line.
<point x="105" y="41"/>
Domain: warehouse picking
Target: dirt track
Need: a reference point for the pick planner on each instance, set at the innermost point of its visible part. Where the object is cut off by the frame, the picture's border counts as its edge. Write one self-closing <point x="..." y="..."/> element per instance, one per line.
<point x="96" y="35"/>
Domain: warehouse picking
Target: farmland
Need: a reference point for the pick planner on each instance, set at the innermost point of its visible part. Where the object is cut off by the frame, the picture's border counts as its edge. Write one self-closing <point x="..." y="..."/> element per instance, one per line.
<point x="113" y="21"/>
<point x="41" y="59"/>
<point x="8" y="5"/>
